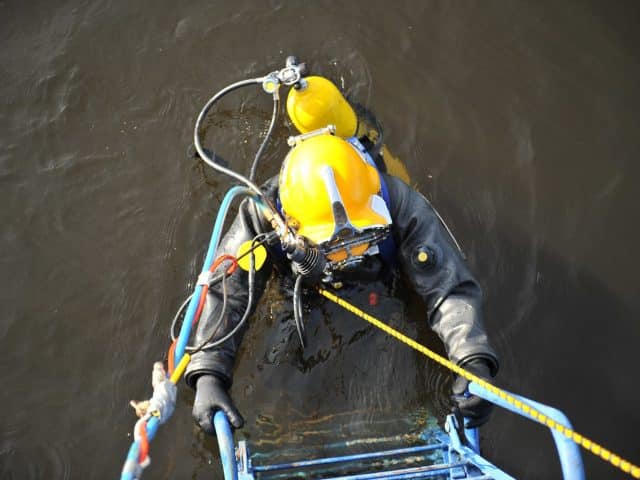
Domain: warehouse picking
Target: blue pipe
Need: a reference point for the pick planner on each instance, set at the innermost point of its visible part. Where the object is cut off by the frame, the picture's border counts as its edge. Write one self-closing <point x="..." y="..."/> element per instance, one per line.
<point x="568" y="450"/>
<point x="226" y="446"/>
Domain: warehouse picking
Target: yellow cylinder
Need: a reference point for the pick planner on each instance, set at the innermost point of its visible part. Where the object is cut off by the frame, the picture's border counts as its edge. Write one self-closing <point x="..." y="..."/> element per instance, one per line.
<point x="319" y="104"/>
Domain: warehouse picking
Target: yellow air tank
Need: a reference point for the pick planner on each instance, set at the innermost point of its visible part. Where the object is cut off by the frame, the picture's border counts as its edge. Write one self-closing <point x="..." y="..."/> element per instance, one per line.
<point x="319" y="103"/>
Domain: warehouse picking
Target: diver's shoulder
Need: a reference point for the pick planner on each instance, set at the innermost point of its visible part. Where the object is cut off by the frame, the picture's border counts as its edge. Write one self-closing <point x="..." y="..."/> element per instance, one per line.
<point x="404" y="197"/>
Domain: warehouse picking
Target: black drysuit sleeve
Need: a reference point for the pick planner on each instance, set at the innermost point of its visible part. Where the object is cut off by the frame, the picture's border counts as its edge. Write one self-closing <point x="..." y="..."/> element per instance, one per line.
<point x="219" y="360"/>
<point x="437" y="271"/>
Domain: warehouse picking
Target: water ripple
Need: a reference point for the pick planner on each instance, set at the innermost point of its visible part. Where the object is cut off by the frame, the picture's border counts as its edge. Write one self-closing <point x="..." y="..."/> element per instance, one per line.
<point x="29" y="460"/>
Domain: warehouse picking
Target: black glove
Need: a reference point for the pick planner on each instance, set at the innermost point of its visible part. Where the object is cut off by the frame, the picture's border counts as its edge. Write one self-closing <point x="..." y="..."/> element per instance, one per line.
<point x="211" y="395"/>
<point x="475" y="409"/>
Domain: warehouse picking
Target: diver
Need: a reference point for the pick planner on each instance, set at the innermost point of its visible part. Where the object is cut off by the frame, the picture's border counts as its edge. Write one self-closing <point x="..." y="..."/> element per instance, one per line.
<point x="350" y="222"/>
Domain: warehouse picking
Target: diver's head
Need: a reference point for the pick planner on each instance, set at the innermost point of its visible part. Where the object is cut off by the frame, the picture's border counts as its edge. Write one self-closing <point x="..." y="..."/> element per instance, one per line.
<point x="331" y="196"/>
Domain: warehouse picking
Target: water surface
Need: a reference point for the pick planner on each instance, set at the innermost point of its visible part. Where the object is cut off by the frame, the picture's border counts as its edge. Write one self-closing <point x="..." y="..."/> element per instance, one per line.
<point x="518" y="120"/>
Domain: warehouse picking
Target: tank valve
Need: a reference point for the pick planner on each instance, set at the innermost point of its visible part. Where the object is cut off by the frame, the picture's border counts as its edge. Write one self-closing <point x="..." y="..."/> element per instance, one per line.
<point x="293" y="72"/>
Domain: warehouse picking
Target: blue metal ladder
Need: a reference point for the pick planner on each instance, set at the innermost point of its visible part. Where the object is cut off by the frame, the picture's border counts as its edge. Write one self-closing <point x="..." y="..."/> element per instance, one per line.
<point x="443" y="454"/>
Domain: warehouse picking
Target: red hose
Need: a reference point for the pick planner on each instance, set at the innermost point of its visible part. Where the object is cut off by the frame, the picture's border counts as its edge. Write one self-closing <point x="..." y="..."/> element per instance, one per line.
<point x="171" y="363"/>
<point x="144" y="442"/>
<point x="214" y="266"/>
<point x="203" y="298"/>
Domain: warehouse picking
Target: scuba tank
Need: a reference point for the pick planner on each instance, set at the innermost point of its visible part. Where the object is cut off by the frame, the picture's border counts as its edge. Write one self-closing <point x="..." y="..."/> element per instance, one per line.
<point x="316" y="102"/>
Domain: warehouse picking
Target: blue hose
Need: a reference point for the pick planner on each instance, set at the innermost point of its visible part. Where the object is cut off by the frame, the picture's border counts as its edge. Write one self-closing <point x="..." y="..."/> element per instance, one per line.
<point x="185" y="331"/>
<point x="131" y="462"/>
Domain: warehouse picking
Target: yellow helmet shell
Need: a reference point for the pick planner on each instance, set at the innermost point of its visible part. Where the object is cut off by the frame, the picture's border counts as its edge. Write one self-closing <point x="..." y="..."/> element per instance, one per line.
<point x="303" y="192"/>
<point x="319" y="104"/>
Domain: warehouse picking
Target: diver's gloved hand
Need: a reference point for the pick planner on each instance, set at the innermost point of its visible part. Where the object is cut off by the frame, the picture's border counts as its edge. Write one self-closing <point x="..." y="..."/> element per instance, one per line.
<point x="475" y="409"/>
<point x="211" y="395"/>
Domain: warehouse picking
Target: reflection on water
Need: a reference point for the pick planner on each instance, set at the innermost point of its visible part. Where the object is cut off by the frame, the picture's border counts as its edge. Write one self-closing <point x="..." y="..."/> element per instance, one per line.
<point x="354" y="431"/>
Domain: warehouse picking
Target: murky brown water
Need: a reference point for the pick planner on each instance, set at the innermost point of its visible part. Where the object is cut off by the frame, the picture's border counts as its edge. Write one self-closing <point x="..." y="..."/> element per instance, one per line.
<point x="519" y="120"/>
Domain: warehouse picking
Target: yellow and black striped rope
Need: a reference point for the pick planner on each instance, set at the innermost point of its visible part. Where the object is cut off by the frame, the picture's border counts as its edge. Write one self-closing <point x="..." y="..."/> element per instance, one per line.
<point x="534" y="414"/>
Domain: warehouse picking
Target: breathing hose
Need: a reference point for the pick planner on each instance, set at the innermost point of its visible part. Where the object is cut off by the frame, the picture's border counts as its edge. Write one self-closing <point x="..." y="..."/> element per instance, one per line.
<point x="272" y="213"/>
<point x="196" y="134"/>
<point x="267" y="137"/>
<point x="297" y="309"/>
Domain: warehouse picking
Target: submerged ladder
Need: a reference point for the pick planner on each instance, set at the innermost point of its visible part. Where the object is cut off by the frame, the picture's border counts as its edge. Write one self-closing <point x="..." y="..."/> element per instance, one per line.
<point x="436" y="458"/>
<point x="452" y="454"/>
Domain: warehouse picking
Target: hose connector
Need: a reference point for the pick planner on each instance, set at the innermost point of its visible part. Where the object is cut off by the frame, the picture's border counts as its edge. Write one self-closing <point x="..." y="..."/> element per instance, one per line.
<point x="307" y="260"/>
<point x="291" y="75"/>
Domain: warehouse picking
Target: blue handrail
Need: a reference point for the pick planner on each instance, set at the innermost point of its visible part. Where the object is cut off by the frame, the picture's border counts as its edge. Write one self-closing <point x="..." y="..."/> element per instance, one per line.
<point x="225" y="444"/>
<point x="568" y="450"/>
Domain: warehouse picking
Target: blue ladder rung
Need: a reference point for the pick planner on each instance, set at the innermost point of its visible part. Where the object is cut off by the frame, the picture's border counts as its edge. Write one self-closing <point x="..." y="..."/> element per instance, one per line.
<point x="348" y="458"/>
<point x="411" y="472"/>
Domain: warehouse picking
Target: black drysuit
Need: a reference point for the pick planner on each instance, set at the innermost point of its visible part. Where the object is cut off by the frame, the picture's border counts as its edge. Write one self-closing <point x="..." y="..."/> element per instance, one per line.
<point x="451" y="294"/>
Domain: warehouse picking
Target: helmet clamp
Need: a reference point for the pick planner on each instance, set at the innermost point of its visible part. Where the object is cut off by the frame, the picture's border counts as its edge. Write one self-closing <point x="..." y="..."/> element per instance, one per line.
<point x="298" y="139"/>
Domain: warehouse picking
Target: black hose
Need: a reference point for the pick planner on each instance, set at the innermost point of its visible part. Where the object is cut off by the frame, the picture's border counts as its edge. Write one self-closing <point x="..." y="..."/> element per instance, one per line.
<point x="217" y="279"/>
<point x="196" y="134"/>
<point x="208" y="159"/>
<point x="297" y="309"/>
<point x="274" y="116"/>
<point x="247" y="311"/>
<point x="172" y="331"/>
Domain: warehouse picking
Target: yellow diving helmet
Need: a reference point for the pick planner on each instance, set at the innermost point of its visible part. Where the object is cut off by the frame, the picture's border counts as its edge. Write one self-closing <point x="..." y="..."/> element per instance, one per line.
<point x="318" y="103"/>
<point x="331" y="195"/>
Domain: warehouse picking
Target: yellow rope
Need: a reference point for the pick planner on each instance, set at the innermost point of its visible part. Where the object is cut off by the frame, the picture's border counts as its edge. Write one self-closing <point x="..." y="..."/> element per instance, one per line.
<point x="584" y="442"/>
